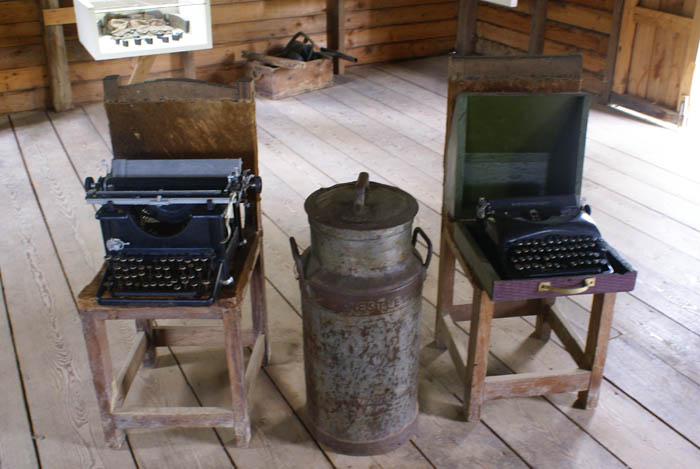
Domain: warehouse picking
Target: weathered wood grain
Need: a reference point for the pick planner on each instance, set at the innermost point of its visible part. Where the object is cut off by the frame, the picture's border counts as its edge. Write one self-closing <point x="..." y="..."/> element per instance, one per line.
<point x="42" y="310"/>
<point x="16" y="445"/>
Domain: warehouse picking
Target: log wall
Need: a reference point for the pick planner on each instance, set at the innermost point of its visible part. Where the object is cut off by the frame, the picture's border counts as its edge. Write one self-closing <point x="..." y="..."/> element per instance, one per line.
<point x="375" y="31"/>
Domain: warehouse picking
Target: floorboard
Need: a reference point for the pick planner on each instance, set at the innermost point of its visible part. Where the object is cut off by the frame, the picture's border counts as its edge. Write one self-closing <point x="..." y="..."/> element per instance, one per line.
<point x="387" y="119"/>
<point x="48" y="337"/>
<point x="16" y="444"/>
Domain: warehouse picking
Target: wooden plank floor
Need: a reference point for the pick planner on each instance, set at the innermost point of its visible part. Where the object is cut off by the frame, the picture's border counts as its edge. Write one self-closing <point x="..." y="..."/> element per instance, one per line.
<point x="642" y="181"/>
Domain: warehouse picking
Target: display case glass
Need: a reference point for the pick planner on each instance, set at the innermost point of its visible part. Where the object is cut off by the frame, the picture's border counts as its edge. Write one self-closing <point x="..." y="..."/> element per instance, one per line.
<point x="111" y="29"/>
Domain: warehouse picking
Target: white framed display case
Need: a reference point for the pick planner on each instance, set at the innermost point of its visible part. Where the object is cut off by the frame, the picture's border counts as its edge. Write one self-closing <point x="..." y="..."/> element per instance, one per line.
<point x="112" y="29"/>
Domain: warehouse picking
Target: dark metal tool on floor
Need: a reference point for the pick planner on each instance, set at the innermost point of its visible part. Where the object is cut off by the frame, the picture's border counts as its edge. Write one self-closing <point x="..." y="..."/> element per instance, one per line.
<point x="361" y="283"/>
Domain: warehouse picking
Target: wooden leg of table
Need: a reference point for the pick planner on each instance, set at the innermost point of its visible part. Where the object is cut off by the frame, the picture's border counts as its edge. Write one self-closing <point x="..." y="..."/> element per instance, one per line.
<point x="236" y="373"/>
<point x="446" y="285"/>
<point x="478" y="355"/>
<point x="101" y="366"/>
<point x="597" y="347"/>
<point x="543" y="329"/>
<point x="259" y="304"/>
<point x="146" y="325"/>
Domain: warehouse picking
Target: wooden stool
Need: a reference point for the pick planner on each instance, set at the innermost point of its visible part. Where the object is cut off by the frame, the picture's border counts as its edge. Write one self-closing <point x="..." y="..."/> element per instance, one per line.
<point x="478" y="387"/>
<point x="111" y="392"/>
<point x="170" y="119"/>
<point x="495" y="297"/>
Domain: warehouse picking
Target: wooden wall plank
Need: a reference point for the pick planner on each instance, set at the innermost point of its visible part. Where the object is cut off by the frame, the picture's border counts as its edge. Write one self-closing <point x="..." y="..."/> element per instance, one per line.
<point x="581" y="38"/>
<point x="402" y="50"/>
<point x="18" y="11"/>
<point x="641" y="58"/>
<point x="15" y="34"/>
<point x="576" y="15"/>
<point x="404" y="32"/>
<point x="238" y="12"/>
<point x="400" y="15"/>
<point x="266" y="29"/>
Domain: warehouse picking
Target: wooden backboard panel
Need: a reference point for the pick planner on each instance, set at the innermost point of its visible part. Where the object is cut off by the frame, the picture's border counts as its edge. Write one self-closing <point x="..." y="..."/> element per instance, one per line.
<point x="181" y="118"/>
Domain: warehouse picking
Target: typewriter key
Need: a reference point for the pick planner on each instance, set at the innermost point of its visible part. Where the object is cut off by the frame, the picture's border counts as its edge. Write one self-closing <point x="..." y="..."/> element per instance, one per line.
<point x="171" y="259"/>
<point x="177" y="288"/>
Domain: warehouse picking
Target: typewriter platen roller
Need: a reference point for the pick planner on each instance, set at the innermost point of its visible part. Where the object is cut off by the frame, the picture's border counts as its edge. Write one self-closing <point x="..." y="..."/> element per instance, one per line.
<point x="543" y="236"/>
<point x="170" y="228"/>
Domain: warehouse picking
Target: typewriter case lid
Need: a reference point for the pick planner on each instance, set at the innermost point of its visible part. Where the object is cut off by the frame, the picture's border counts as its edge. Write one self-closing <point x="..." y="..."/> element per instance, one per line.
<point x="514" y="145"/>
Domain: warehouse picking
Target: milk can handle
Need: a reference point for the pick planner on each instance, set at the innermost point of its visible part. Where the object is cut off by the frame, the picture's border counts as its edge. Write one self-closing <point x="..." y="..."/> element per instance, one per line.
<point x="360" y="190"/>
<point x="422" y="234"/>
<point x="297" y="259"/>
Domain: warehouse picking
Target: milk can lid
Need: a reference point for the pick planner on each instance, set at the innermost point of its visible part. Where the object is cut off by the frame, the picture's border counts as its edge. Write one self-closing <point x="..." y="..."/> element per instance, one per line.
<point x="361" y="205"/>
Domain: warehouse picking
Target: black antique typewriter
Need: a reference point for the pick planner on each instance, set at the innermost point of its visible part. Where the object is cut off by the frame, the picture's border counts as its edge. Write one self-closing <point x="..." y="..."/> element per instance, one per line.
<point x="543" y="236"/>
<point x="171" y="228"/>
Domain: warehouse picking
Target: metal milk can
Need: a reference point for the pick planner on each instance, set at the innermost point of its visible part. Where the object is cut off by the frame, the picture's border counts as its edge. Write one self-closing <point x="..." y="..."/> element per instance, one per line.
<point x="361" y="283"/>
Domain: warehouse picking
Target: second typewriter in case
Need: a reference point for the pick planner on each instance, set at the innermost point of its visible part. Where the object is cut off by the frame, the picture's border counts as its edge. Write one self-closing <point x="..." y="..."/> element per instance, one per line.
<point x="171" y="228"/>
<point x="513" y="175"/>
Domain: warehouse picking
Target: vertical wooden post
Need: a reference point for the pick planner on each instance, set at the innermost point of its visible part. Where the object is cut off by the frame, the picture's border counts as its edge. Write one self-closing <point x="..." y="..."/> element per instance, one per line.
<point x="537" y="27"/>
<point x="101" y="366"/>
<point x="236" y="374"/>
<point x="612" y="51"/>
<point x="188" y="65"/>
<point x="446" y="283"/>
<point x="597" y="347"/>
<point x="466" y="27"/>
<point x="543" y="328"/>
<point x="57" y="63"/>
<point x="259" y="304"/>
<point x="146" y="325"/>
<point x="336" y="28"/>
<point x="478" y="355"/>
<point x="142" y="68"/>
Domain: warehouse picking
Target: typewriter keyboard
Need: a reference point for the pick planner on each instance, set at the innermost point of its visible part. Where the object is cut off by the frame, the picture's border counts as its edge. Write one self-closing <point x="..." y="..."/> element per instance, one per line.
<point x="557" y="255"/>
<point x="131" y="277"/>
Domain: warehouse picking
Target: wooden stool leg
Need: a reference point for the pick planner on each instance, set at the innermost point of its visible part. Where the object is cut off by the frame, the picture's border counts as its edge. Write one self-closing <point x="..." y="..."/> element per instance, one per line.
<point x="597" y="347"/>
<point x="478" y="355"/>
<point x="101" y="366"/>
<point x="446" y="284"/>
<point x="259" y="304"/>
<point x="543" y="329"/>
<point x="236" y="373"/>
<point x="146" y="325"/>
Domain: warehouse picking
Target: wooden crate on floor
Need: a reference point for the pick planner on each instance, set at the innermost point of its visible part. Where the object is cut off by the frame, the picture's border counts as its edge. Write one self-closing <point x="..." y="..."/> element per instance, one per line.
<point x="278" y="82"/>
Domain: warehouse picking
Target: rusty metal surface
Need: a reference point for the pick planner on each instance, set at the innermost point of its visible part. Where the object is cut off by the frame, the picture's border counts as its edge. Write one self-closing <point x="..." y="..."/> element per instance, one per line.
<point x="362" y="370"/>
<point x="361" y="302"/>
<point x="384" y="207"/>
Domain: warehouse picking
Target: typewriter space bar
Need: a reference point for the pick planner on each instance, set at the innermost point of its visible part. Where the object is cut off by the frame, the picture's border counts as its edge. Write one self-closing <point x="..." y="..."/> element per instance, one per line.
<point x="154" y="294"/>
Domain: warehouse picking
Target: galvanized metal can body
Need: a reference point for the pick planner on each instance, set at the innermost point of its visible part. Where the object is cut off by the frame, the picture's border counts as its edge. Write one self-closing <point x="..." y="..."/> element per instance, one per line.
<point x="361" y="302"/>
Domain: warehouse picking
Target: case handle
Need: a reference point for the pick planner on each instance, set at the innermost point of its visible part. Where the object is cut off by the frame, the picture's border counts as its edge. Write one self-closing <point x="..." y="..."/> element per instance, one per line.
<point x="297" y="259"/>
<point x="547" y="286"/>
<point x="419" y="231"/>
<point x="360" y="191"/>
